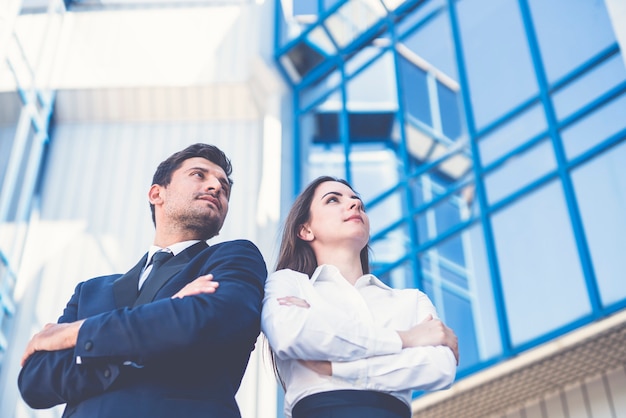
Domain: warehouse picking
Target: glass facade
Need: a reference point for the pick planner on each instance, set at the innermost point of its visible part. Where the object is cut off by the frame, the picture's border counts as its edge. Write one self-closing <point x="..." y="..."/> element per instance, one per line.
<point x="487" y="139"/>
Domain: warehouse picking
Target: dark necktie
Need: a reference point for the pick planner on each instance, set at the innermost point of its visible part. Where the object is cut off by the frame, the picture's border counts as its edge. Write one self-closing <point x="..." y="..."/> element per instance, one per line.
<point x="158" y="259"/>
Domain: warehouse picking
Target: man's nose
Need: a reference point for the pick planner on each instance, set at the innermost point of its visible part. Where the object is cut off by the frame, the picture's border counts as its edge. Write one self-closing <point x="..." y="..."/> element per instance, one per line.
<point x="214" y="184"/>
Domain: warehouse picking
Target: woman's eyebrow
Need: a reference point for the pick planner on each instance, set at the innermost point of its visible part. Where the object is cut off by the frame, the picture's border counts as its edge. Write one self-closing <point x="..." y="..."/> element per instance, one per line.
<point x="333" y="193"/>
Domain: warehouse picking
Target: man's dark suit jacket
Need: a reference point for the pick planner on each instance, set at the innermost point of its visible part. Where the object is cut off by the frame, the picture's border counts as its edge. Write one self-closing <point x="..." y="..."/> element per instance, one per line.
<point x="167" y="358"/>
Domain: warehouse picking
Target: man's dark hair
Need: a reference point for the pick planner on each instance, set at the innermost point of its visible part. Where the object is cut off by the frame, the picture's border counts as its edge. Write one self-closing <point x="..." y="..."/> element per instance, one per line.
<point x="163" y="174"/>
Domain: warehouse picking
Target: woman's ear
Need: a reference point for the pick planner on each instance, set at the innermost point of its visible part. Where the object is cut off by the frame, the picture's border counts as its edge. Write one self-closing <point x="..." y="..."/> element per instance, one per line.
<point x="305" y="233"/>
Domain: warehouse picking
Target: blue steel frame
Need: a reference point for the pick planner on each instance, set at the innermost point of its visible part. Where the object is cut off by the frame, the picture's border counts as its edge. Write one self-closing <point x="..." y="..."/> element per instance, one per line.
<point x="487" y="210"/>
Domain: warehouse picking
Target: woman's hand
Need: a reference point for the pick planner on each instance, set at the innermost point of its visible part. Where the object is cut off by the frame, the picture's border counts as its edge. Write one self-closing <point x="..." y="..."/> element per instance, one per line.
<point x="430" y="332"/>
<point x="293" y="301"/>
<point x="322" y="367"/>
<point x="203" y="284"/>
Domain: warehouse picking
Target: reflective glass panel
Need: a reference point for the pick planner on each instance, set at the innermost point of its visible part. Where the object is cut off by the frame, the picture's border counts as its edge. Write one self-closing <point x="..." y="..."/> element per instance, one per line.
<point x="432" y="42"/>
<point x="352" y="19"/>
<point x="371" y="90"/>
<point x="512" y="134"/>
<point x="520" y="170"/>
<point x="447" y="213"/>
<point x="497" y="58"/>
<point x="595" y="128"/>
<point x="589" y="87"/>
<point x="542" y="280"/>
<point x="461" y="288"/>
<point x="414" y="86"/>
<point x="400" y="276"/>
<point x="601" y="195"/>
<point x="317" y="90"/>
<point x="570" y="32"/>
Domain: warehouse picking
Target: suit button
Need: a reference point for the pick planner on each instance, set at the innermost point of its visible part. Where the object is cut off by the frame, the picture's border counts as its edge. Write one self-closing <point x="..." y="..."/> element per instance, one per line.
<point x="88" y="345"/>
<point x="107" y="373"/>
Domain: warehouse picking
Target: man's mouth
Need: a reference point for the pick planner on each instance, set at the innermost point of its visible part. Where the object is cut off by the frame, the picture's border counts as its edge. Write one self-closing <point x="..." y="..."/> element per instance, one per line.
<point x="211" y="199"/>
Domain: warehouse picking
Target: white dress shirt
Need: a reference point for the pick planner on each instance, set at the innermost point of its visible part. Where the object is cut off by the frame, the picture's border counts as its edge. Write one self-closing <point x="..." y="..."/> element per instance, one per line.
<point x="354" y="327"/>
<point x="174" y="249"/>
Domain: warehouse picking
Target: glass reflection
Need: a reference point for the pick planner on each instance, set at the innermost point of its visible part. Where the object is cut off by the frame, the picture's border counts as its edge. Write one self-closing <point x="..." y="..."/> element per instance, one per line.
<point x="499" y="67"/>
<point x="520" y="170"/>
<point x="567" y="39"/>
<point x="590" y="86"/>
<point x="601" y="195"/>
<point x="595" y="128"/>
<point x="457" y="279"/>
<point x="512" y="134"/>
<point x="352" y="19"/>
<point x="540" y="270"/>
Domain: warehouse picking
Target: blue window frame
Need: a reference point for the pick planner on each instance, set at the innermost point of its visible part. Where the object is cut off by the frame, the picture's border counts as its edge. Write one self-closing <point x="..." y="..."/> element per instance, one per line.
<point x="476" y="129"/>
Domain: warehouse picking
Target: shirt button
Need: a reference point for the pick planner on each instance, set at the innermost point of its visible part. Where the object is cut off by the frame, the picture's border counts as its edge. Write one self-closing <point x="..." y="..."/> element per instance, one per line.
<point x="88" y="345"/>
<point x="107" y="373"/>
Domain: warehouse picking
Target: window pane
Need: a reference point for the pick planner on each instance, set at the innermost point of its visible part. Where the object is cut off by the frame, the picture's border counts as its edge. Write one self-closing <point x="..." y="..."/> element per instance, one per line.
<point x="318" y="89"/>
<point x="388" y="249"/>
<point x="413" y="83"/>
<point x="601" y="191"/>
<point x="589" y="87"/>
<point x="444" y="215"/>
<point x="461" y="289"/>
<point x="520" y="170"/>
<point x="432" y="42"/>
<point x="595" y="128"/>
<point x="499" y="68"/>
<point x="361" y="96"/>
<point x="352" y="19"/>
<point x="450" y="111"/>
<point x="541" y="275"/>
<point x="512" y="134"/>
<point x="570" y="32"/>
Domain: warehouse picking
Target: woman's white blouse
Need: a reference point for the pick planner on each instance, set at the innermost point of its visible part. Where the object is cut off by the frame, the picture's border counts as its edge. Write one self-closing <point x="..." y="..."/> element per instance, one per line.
<point x="354" y="327"/>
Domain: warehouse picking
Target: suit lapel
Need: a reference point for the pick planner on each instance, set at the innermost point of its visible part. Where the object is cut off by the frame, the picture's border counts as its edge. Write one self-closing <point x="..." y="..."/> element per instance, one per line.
<point x="166" y="271"/>
<point x="125" y="287"/>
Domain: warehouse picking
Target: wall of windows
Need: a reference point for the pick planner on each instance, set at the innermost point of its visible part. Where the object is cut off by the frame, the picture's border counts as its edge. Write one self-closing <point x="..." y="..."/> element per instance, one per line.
<point x="485" y="138"/>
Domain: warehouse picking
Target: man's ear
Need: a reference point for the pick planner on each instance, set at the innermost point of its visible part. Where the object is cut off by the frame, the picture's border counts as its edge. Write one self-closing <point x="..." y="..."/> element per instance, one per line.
<point x="154" y="194"/>
<point x="305" y="233"/>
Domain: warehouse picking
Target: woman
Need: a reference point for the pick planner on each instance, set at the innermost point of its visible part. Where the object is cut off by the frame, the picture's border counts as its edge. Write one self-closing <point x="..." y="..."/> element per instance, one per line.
<point x="345" y="344"/>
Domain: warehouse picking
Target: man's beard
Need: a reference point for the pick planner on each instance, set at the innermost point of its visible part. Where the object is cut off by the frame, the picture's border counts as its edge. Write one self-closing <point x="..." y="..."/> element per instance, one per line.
<point x="202" y="225"/>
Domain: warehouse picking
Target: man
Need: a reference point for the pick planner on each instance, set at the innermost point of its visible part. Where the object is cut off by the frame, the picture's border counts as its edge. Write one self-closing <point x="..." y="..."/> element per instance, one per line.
<point x="162" y="344"/>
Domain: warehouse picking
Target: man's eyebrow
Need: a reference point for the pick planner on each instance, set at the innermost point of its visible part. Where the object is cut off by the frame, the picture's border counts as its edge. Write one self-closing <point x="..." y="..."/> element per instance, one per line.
<point x="204" y="170"/>
<point x="224" y="180"/>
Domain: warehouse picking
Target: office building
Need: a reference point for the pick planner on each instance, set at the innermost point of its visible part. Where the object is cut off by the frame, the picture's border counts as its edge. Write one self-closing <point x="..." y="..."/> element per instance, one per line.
<point x="486" y="137"/>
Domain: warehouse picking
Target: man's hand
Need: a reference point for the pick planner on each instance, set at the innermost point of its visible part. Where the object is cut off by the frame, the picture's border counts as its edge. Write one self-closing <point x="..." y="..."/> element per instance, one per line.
<point x="203" y="284"/>
<point x="53" y="337"/>
<point x="293" y="301"/>
<point x="325" y="368"/>
<point x="430" y="332"/>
